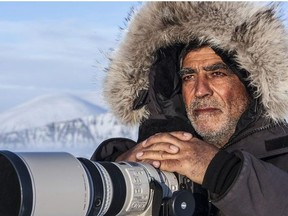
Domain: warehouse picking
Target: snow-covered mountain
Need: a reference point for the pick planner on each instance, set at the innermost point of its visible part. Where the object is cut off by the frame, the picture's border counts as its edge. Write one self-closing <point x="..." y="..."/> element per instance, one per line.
<point x="59" y="123"/>
<point x="47" y="109"/>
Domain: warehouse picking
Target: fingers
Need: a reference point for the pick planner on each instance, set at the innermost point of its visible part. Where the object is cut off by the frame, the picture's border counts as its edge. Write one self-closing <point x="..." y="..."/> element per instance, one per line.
<point x="156" y="164"/>
<point x="156" y="155"/>
<point x="185" y="136"/>
<point x="172" y="137"/>
<point x="157" y="151"/>
<point x="167" y="165"/>
<point x="162" y="146"/>
<point x="130" y="155"/>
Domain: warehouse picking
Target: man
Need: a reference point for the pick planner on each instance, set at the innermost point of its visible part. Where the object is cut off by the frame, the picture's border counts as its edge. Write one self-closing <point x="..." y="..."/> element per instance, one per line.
<point x="208" y="84"/>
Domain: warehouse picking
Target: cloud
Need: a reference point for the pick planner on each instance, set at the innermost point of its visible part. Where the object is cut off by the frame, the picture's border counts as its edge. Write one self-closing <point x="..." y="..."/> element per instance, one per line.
<point x="56" y="53"/>
<point x="46" y="39"/>
<point x="5" y="87"/>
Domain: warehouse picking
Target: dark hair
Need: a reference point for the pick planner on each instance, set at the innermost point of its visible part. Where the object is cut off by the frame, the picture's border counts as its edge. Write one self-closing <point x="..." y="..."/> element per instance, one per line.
<point x="193" y="45"/>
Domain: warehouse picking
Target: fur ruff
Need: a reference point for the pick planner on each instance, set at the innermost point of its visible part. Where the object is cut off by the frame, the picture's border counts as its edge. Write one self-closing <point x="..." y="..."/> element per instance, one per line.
<point x="254" y="32"/>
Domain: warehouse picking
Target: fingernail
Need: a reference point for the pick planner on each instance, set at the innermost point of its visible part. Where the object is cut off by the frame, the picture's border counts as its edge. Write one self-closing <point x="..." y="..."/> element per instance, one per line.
<point x="156" y="164"/>
<point x="188" y="135"/>
<point x="174" y="148"/>
<point x="139" y="155"/>
<point x="144" y="142"/>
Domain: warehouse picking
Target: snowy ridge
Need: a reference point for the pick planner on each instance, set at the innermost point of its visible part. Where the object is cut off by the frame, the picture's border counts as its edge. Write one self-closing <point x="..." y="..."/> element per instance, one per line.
<point x="81" y="136"/>
<point x="47" y="109"/>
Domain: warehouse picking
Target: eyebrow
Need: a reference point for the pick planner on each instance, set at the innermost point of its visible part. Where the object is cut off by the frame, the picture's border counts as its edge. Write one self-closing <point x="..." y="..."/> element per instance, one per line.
<point x="213" y="67"/>
<point x="216" y="66"/>
<point x="185" y="71"/>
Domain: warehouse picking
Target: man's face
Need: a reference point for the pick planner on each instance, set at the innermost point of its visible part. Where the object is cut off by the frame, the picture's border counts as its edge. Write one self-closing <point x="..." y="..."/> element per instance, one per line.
<point x="214" y="96"/>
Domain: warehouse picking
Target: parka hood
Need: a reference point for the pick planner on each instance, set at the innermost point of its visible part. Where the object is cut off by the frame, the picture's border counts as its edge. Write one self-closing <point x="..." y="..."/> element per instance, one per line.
<point x="255" y="33"/>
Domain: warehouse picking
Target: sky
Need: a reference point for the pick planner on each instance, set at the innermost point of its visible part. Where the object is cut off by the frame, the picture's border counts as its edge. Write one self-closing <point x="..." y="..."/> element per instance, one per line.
<point x="56" y="47"/>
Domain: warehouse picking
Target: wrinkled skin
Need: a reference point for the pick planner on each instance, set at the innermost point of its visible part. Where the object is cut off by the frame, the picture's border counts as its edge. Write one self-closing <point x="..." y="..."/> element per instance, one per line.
<point x="215" y="99"/>
<point x="214" y="96"/>
<point x="174" y="152"/>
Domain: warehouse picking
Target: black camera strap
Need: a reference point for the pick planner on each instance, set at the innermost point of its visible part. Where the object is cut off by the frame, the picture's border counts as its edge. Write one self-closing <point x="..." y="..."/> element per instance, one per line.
<point x="157" y="197"/>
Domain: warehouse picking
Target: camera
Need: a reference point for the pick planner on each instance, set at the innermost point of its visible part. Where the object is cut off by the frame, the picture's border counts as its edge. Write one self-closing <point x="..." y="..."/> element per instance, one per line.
<point x="59" y="184"/>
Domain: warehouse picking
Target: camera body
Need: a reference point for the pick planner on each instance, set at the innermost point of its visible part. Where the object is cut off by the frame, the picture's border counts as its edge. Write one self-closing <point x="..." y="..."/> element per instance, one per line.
<point x="57" y="183"/>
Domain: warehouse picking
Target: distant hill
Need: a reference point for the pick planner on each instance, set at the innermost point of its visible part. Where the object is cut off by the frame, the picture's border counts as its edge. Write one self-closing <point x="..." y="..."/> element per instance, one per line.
<point x="47" y="109"/>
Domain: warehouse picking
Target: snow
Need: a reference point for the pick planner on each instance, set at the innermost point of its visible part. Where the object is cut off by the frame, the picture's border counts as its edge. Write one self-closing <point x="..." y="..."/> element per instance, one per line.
<point x="64" y="123"/>
<point x="46" y="109"/>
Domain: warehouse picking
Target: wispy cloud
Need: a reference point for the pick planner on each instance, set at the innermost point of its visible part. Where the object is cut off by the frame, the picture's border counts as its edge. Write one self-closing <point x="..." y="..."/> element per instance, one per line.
<point x="3" y="87"/>
<point x="53" y="39"/>
<point x="52" y="53"/>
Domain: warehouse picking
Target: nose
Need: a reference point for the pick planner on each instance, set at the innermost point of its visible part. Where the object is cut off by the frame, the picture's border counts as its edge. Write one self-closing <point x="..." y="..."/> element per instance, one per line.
<point x="202" y="87"/>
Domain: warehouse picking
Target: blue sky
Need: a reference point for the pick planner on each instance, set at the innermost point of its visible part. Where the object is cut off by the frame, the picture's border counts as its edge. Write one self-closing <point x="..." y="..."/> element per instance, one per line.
<point x="56" y="47"/>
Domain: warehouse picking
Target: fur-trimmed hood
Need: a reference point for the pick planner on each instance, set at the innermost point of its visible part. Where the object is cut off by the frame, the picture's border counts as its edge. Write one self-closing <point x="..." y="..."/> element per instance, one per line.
<point x="255" y="32"/>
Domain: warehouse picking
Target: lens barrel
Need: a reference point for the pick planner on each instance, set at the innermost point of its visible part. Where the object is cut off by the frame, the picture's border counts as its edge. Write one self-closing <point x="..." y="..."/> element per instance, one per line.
<point x="57" y="183"/>
<point x="43" y="184"/>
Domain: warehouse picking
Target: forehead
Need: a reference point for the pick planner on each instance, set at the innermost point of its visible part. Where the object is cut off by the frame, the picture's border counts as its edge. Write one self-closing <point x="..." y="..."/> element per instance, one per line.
<point x="204" y="55"/>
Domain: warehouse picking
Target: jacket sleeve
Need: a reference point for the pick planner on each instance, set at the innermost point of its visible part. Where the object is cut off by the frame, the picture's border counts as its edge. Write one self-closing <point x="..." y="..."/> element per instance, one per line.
<point x="260" y="188"/>
<point x="110" y="149"/>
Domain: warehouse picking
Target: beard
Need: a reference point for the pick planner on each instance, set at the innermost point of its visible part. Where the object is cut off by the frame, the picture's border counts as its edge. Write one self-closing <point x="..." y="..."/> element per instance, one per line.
<point x="216" y="127"/>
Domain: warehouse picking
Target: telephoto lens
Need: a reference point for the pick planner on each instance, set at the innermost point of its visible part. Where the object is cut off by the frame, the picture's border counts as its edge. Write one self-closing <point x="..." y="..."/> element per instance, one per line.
<point x="43" y="184"/>
<point x="57" y="183"/>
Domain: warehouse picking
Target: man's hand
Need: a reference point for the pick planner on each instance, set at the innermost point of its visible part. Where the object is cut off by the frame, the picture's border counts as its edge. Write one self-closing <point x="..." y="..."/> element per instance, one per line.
<point x="130" y="155"/>
<point x="176" y="152"/>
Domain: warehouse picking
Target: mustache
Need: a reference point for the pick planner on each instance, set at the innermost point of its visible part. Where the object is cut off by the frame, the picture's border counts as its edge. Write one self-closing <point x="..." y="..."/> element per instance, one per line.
<point x="203" y="103"/>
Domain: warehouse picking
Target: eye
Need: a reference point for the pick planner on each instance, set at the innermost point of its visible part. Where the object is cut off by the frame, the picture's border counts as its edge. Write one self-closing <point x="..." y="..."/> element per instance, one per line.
<point x="218" y="74"/>
<point x="188" y="77"/>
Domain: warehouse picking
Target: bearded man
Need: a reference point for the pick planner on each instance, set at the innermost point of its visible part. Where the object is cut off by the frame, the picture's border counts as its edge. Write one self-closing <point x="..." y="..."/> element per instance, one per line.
<point x="208" y="84"/>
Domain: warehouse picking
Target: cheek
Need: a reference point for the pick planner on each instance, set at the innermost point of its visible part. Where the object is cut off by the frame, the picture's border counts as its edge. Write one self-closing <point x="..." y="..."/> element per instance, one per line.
<point x="236" y="98"/>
